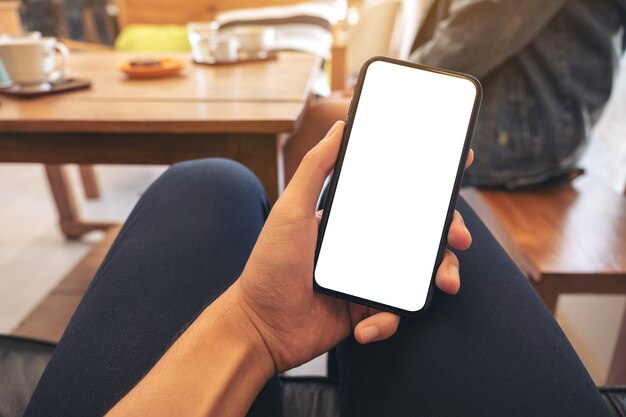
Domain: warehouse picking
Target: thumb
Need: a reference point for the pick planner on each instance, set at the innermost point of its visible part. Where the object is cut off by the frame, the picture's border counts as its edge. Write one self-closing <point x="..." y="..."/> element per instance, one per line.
<point x="306" y="184"/>
<point x="379" y="326"/>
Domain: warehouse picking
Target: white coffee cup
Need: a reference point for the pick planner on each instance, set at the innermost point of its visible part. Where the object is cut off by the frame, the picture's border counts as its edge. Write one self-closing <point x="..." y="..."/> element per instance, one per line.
<point x="31" y="63"/>
<point x="255" y="40"/>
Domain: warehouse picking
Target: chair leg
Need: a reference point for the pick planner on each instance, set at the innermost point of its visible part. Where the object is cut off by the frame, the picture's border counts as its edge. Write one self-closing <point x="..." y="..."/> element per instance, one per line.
<point x="89" y="25"/>
<point x="90" y="181"/>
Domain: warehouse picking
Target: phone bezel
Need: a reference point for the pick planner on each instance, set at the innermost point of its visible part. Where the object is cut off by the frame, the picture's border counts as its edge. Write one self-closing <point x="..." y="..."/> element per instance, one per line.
<point x="337" y="173"/>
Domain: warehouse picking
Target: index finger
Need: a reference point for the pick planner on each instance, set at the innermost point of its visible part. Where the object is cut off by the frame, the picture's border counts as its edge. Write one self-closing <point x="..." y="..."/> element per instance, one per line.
<point x="305" y="186"/>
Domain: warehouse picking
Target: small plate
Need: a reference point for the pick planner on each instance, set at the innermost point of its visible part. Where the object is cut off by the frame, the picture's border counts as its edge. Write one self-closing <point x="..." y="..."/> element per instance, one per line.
<point x="164" y="67"/>
<point x="54" y="87"/>
<point x="30" y="88"/>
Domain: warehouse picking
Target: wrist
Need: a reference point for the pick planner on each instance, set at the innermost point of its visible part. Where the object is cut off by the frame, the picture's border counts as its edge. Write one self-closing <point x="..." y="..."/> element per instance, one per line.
<point x="216" y="367"/>
<point x="239" y="321"/>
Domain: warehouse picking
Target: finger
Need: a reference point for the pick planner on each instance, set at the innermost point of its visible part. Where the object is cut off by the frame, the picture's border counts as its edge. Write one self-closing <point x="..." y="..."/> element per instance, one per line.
<point x="458" y="236"/>
<point x="448" y="279"/>
<point x="305" y="186"/>
<point x="470" y="158"/>
<point x="377" y="327"/>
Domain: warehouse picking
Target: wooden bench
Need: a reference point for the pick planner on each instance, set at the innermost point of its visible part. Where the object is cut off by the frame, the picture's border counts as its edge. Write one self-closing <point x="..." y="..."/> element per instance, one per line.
<point x="567" y="239"/>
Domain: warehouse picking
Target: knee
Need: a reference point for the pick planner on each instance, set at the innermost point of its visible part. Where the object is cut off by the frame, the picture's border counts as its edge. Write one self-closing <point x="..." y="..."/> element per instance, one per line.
<point x="213" y="170"/>
<point x="210" y="180"/>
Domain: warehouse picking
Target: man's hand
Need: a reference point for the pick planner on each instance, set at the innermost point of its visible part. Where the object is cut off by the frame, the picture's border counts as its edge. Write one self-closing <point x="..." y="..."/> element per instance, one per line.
<point x="275" y="291"/>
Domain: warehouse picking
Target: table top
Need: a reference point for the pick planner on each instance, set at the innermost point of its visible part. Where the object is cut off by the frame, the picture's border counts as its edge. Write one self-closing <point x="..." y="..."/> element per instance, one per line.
<point x="263" y="97"/>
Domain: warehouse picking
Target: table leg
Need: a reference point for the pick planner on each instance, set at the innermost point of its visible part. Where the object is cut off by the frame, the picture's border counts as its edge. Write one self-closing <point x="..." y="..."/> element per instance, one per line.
<point x="263" y="155"/>
<point x="90" y="181"/>
<point x="617" y="373"/>
<point x="548" y="292"/>
<point x="65" y="200"/>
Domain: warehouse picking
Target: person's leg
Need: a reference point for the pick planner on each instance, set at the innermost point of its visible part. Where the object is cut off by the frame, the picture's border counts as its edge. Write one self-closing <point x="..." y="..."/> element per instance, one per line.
<point x="185" y="242"/>
<point x="317" y="120"/>
<point x="491" y="350"/>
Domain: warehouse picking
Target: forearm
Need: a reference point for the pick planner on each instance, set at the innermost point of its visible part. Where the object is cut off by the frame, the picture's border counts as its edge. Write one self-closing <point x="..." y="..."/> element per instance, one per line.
<point x="215" y="368"/>
<point x="479" y="35"/>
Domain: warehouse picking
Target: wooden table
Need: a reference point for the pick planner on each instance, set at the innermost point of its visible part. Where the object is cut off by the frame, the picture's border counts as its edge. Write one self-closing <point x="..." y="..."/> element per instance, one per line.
<point x="243" y="112"/>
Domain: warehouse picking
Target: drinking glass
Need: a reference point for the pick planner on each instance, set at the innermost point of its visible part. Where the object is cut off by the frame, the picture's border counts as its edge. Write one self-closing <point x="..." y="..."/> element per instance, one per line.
<point x="200" y="35"/>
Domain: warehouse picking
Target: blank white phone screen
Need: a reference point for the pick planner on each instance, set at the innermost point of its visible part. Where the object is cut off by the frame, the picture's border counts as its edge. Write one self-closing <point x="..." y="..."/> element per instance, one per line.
<point x="395" y="185"/>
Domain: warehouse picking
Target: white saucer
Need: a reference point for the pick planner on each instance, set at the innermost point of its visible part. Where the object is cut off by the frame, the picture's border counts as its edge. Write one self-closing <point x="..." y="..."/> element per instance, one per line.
<point x="30" y="88"/>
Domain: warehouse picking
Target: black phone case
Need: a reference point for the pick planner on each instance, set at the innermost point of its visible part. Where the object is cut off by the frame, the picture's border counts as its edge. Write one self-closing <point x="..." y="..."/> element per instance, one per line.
<point x="337" y="173"/>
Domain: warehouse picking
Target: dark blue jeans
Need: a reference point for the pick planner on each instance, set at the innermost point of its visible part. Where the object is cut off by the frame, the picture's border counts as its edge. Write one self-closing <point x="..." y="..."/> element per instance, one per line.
<point x="491" y="350"/>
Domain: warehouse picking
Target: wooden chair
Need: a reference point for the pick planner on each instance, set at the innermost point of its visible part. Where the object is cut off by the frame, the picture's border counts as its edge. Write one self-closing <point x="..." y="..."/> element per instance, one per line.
<point x="377" y="32"/>
<point x="566" y="239"/>
<point x="372" y="34"/>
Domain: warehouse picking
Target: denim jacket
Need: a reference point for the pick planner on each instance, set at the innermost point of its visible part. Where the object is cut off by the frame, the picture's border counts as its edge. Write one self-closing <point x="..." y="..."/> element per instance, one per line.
<point x="547" y="69"/>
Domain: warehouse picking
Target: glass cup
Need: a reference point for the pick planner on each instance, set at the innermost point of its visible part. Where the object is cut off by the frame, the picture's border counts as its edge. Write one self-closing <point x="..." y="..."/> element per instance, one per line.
<point x="200" y="35"/>
<point x="255" y="41"/>
<point x="224" y="49"/>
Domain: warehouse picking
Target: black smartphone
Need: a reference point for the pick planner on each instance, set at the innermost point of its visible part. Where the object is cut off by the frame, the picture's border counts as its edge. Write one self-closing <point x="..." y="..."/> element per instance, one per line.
<point x="392" y="194"/>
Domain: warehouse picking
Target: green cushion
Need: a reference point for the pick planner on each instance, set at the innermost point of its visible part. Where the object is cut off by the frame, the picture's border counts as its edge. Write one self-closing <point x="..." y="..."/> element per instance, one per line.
<point x="153" y="38"/>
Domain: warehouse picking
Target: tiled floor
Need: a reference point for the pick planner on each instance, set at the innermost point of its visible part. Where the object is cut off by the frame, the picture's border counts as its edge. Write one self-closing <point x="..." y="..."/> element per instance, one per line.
<point x="49" y="318"/>
<point x="34" y="257"/>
